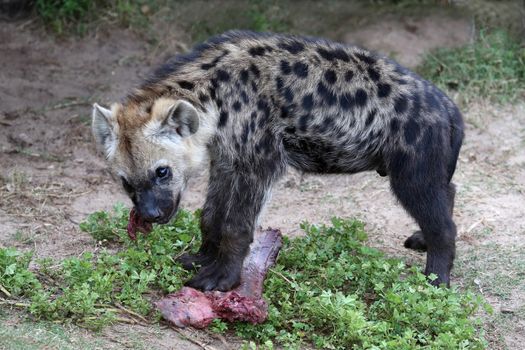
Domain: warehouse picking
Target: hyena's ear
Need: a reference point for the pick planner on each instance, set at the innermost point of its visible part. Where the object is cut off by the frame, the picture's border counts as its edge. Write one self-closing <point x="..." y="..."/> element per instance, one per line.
<point x="182" y="118"/>
<point x="104" y="127"/>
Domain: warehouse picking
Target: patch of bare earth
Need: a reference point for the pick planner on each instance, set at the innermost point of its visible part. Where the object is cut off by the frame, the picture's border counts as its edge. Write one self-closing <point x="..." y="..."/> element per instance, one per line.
<point x="51" y="178"/>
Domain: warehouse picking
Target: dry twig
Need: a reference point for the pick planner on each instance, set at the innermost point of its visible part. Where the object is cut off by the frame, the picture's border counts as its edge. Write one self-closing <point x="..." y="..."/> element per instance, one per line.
<point x="191" y="339"/>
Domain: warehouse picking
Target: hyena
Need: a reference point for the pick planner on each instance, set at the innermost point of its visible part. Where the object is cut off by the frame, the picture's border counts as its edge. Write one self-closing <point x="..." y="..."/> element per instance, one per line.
<point x="250" y="105"/>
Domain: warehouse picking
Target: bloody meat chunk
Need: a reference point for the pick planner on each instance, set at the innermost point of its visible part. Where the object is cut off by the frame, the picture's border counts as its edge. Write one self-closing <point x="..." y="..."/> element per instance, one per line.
<point x="191" y="307"/>
<point x="137" y="223"/>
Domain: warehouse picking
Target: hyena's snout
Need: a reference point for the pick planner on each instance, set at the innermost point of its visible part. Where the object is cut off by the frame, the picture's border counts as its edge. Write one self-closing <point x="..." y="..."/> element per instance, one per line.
<point x="156" y="206"/>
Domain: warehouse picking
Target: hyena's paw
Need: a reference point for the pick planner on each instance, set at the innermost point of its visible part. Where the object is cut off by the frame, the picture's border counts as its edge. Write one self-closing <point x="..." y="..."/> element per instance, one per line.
<point x="194" y="261"/>
<point x="216" y="276"/>
<point x="416" y="242"/>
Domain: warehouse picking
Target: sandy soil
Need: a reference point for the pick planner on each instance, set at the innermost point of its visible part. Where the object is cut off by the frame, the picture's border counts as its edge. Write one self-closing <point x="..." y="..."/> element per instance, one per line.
<point x="51" y="177"/>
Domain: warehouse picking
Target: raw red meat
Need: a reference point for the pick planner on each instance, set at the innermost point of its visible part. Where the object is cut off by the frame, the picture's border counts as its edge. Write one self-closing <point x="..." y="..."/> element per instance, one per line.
<point x="137" y="223"/>
<point x="191" y="307"/>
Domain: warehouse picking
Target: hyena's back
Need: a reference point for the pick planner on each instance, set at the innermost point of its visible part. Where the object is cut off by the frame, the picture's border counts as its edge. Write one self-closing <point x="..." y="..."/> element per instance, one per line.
<point x="332" y="107"/>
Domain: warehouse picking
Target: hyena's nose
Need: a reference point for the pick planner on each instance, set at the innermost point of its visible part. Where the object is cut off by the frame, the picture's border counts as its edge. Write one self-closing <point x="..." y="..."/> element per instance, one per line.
<point x="151" y="214"/>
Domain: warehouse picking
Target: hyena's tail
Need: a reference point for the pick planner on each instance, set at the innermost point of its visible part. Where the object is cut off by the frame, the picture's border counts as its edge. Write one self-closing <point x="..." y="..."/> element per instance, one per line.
<point x="456" y="139"/>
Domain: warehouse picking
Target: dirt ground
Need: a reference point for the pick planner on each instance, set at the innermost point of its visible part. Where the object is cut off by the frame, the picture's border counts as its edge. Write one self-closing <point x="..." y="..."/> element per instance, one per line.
<point x="51" y="178"/>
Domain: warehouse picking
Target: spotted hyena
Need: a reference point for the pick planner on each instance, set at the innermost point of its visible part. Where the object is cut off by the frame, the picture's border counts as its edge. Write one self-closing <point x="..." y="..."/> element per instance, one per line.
<point x="250" y="105"/>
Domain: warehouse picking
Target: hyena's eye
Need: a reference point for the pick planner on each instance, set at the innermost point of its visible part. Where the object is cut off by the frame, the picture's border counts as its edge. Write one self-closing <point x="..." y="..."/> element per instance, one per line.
<point x="126" y="185"/>
<point x="162" y="172"/>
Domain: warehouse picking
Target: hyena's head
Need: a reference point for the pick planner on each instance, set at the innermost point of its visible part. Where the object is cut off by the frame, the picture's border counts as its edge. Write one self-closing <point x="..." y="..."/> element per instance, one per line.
<point x="152" y="149"/>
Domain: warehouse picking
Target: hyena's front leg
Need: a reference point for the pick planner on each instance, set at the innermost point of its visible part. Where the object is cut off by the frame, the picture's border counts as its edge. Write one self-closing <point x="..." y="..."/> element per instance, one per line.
<point x="240" y="196"/>
<point x="211" y="220"/>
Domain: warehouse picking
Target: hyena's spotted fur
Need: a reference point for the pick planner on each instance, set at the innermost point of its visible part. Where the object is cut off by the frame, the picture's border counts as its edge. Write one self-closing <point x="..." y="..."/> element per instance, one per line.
<point x="254" y="104"/>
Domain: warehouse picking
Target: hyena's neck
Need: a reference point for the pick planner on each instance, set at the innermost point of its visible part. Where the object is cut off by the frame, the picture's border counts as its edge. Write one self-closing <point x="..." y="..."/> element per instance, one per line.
<point x="215" y="73"/>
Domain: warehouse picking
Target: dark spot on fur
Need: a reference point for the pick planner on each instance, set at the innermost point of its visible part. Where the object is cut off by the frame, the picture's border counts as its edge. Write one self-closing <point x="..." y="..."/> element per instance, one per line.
<point x="300" y="69"/>
<point x="212" y="93"/>
<point x="279" y="83"/>
<point x="222" y="75"/>
<point x="223" y="119"/>
<point x="361" y="97"/>
<point x="288" y="94"/>
<point x="252" y="122"/>
<point x="207" y="66"/>
<point x="400" y="104"/>
<point x="331" y="55"/>
<point x="411" y="131"/>
<point x="340" y="54"/>
<point x="383" y="90"/>
<point x="148" y="109"/>
<point x="349" y="75"/>
<point x="254" y="86"/>
<point x="290" y="129"/>
<point x="256" y="72"/>
<point x="370" y="117"/>
<point x="262" y="105"/>
<point x="219" y="103"/>
<point x="216" y="60"/>
<point x="244" y="76"/>
<point x="327" y="55"/>
<point x="244" y="96"/>
<point x="237" y="106"/>
<point x="346" y="101"/>
<point x="308" y="102"/>
<point x="373" y="74"/>
<point x="394" y="125"/>
<point x="285" y="113"/>
<point x="327" y="96"/>
<point x="245" y="133"/>
<point x="266" y="143"/>
<point x="328" y="122"/>
<point x="432" y="101"/>
<point x="186" y="85"/>
<point x="416" y="105"/>
<point x="330" y="77"/>
<point x="428" y="140"/>
<point x="204" y="98"/>
<point x="285" y="67"/>
<point x="294" y="47"/>
<point x="365" y="58"/>
<point x="257" y="51"/>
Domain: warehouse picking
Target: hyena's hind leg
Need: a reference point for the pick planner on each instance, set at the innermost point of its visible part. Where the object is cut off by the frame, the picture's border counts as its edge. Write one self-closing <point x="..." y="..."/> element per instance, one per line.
<point x="420" y="178"/>
<point x="455" y="135"/>
<point x="428" y="203"/>
<point x="417" y="240"/>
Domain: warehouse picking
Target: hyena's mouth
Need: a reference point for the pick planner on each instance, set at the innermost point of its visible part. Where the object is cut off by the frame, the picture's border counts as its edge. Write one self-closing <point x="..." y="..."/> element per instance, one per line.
<point x="175" y="208"/>
<point x="138" y="223"/>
